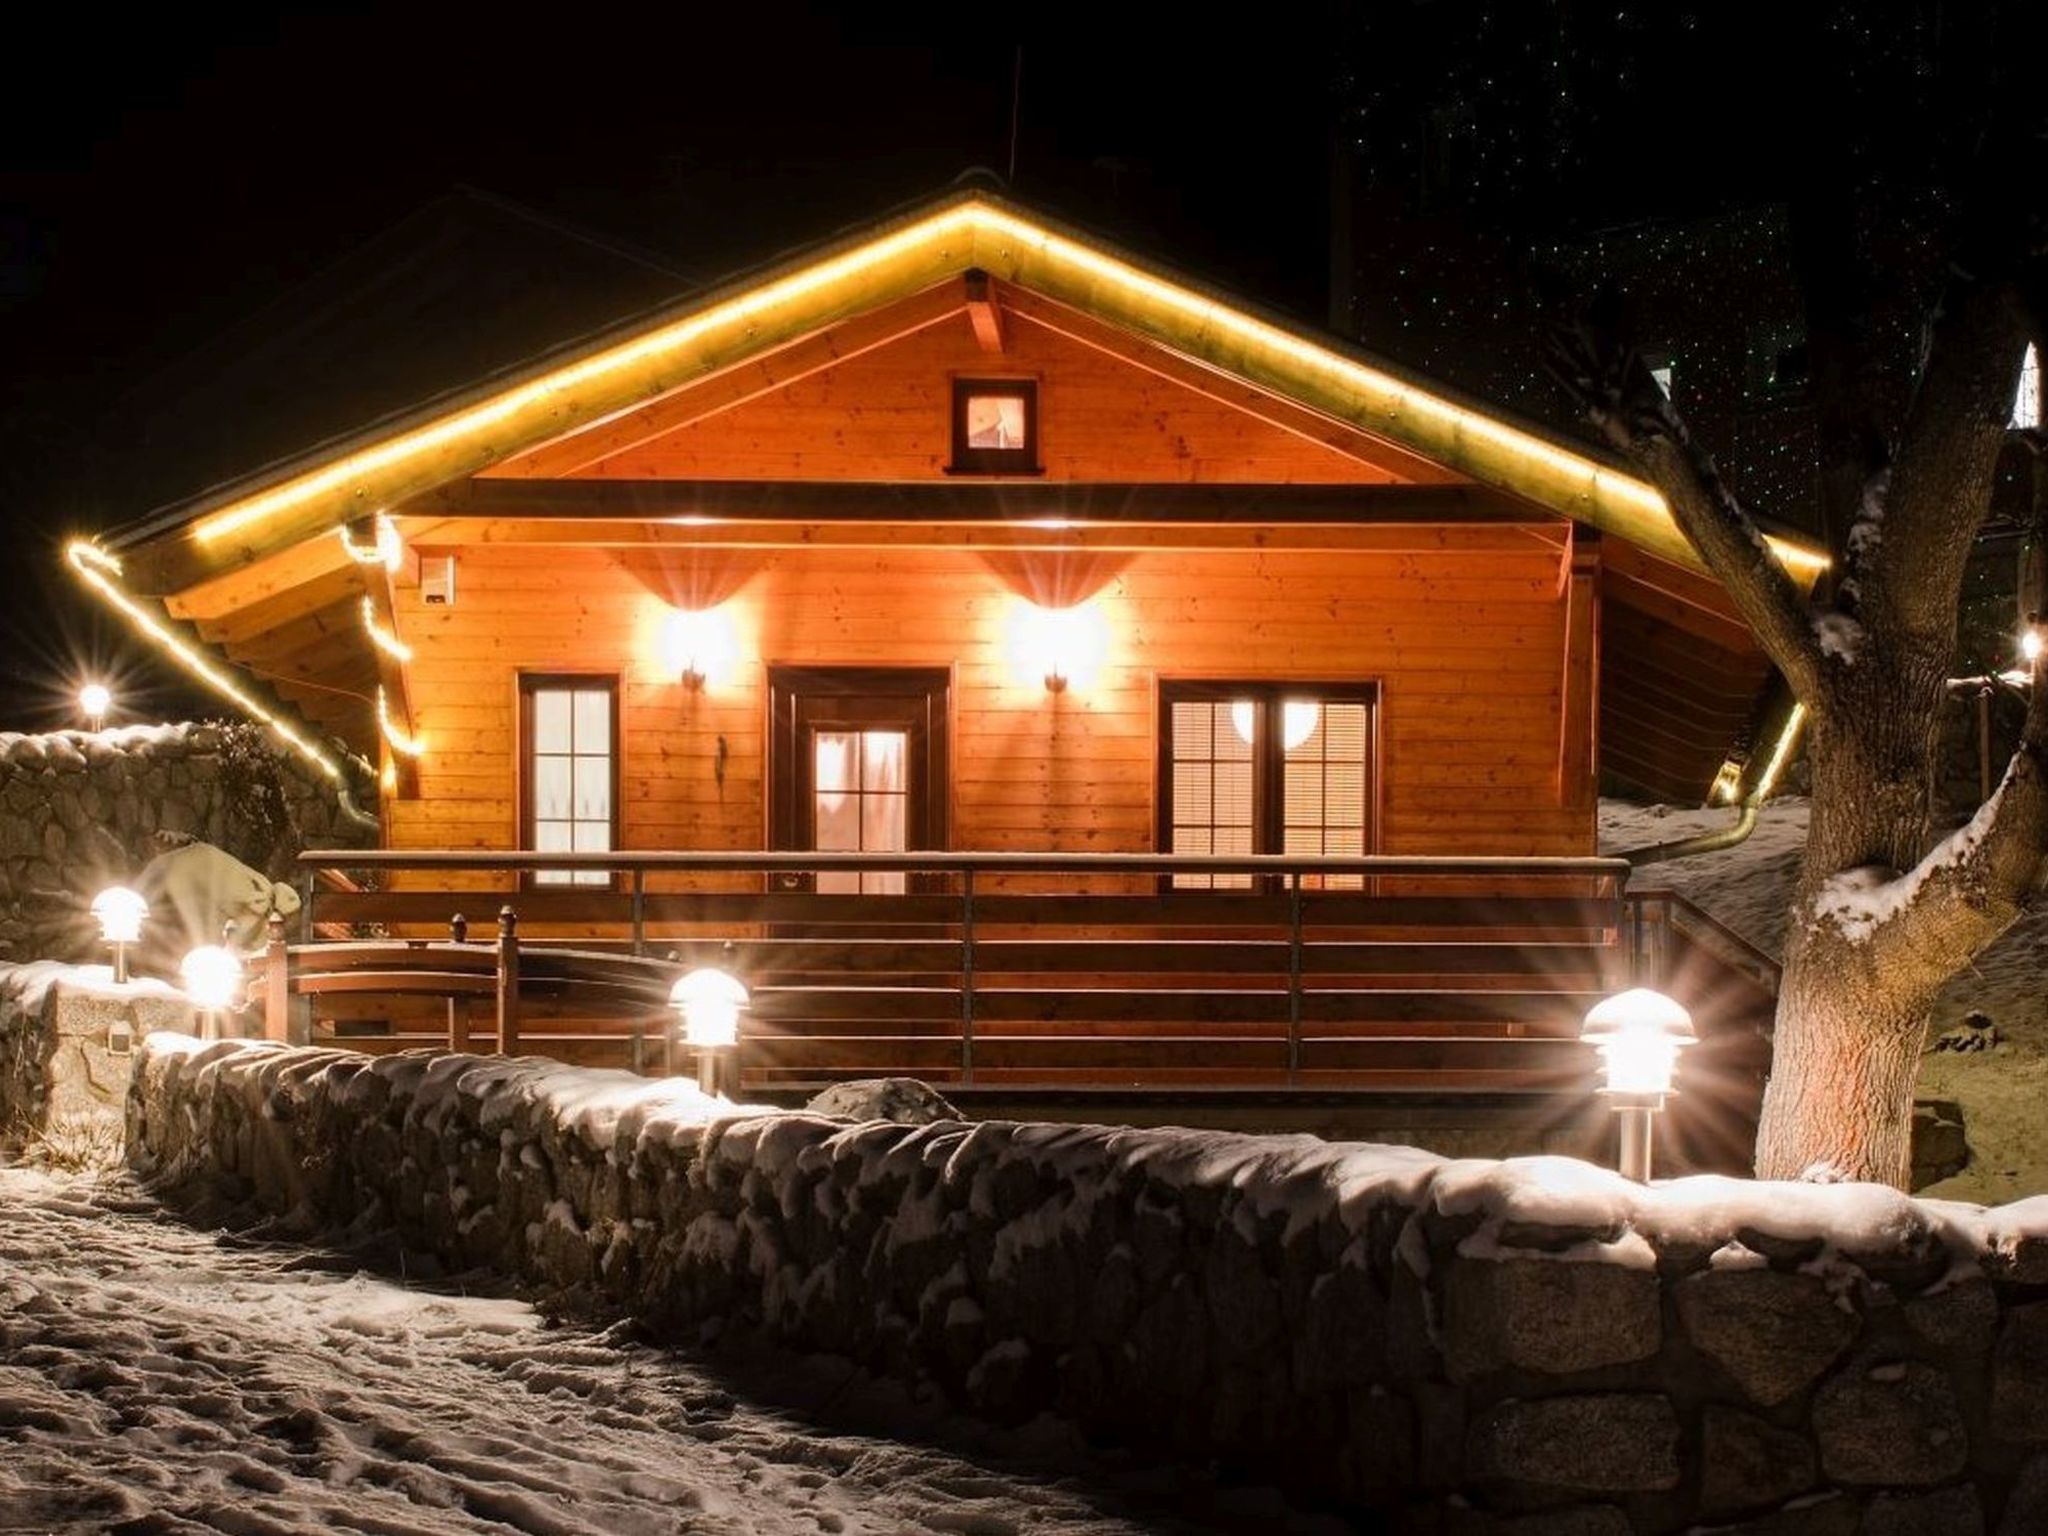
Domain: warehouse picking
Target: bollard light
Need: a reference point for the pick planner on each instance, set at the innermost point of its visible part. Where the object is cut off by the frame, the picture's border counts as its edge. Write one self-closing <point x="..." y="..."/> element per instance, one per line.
<point x="1639" y="1034"/>
<point x="709" y="1002"/>
<point x="120" y="912"/>
<point x="212" y="975"/>
<point x="94" y="700"/>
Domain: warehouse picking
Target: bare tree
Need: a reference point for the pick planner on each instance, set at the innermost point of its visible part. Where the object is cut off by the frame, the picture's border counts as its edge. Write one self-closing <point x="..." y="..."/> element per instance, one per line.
<point x="1887" y="908"/>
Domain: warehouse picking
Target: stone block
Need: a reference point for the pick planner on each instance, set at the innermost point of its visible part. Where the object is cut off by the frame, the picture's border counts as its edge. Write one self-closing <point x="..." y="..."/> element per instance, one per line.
<point x="2019" y="1376"/>
<point x="1547" y="1315"/>
<point x="1749" y="1463"/>
<point x="1598" y="1442"/>
<point x="1773" y="1333"/>
<point x="1946" y="1512"/>
<point x="1890" y="1424"/>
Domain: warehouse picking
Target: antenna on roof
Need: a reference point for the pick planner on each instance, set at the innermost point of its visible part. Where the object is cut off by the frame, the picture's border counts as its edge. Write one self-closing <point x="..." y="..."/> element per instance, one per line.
<point x="1016" y="108"/>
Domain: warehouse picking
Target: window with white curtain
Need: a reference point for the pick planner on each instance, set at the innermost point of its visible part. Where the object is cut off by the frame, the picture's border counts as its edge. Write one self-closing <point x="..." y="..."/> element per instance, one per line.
<point x="570" y="776"/>
<point x="1261" y="767"/>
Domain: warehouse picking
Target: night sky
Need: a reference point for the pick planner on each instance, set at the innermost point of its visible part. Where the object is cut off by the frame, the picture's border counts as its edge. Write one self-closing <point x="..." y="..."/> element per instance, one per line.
<point x="171" y="171"/>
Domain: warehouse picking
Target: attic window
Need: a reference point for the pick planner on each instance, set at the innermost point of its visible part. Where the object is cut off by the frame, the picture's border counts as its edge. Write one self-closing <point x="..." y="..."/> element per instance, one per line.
<point x="995" y="427"/>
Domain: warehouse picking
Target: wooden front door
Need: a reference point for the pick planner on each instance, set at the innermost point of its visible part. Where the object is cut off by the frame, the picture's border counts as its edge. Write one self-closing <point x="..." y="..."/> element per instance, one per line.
<point x="857" y="763"/>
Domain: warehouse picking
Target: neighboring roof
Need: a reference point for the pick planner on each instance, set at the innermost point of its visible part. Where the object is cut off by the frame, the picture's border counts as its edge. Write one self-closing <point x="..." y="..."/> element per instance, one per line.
<point x="456" y="434"/>
<point x="464" y="288"/>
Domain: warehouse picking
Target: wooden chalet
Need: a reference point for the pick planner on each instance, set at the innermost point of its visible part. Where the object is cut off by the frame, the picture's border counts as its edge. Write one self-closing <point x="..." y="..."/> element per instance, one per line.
<point x="1023" y="665"/>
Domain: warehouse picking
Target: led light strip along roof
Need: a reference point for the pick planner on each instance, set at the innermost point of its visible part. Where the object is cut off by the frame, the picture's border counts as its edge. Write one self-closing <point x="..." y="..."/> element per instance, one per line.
<point x="102" y="571"/>
<point x="953" y="239"/>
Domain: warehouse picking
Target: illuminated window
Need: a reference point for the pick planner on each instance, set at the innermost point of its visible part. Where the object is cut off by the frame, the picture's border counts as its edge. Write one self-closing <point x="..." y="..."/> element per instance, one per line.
<point x="570" y="780"/>
<point x="1266" y="768"/>
<point x="861" y="781"/>
<point x="995" y="427"/>
<point x="2026" y="405"/>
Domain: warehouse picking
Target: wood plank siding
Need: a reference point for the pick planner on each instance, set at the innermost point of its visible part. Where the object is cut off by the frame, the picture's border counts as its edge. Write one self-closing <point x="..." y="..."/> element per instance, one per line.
<point x="1467" y="645"/>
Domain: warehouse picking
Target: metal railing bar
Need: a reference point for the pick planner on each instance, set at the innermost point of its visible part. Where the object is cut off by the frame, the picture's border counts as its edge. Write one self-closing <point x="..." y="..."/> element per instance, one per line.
<point x="752" y="861"/>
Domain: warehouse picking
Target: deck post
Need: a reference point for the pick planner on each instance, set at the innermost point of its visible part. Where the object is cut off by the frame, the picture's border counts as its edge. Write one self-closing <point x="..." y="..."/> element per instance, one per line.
<point x="508" y="981"/>
<point x="639" y="911"/>
<point x="967" y="977"/>
<point x="1294" y="978"/>
<point x="458" y="1007"/>
<point x="277" y="982"/>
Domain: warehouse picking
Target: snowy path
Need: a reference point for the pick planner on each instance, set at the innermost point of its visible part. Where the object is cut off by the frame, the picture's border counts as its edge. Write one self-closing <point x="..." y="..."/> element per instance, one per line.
<point x="154" y="1378"/>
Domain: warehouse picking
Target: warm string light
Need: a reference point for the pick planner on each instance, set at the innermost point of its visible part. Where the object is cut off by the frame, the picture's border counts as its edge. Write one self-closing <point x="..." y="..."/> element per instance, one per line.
<point x="395" y="737"/>
<point x="102" y="572"/>
<point x="384" y="639"/>
<point x="388" y="550"/>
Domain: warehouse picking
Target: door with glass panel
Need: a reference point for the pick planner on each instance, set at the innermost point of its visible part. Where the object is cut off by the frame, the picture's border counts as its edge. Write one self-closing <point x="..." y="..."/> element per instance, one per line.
<point x="1266" y="767"/>
<point x="569" y="770"/>
<point x="857" y="764"/>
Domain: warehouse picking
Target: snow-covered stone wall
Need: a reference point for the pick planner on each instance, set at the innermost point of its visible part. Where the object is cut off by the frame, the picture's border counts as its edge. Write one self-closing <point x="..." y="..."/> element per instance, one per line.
<point x="80" y="810"/>
<point x="1459" y="1346"/>
<point x="68" y="1037"/>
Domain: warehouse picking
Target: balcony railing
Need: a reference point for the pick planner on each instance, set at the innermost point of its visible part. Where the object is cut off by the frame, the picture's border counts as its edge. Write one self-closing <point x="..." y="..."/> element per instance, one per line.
<point x="1051" y="969"/>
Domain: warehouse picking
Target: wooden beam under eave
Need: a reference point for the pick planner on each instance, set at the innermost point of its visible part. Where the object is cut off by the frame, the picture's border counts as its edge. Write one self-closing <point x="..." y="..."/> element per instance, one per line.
<point x="735" y="386"/>
<point x="280" y="575"/>
<point x="1387" y="538"/>
<point x="974" y="501"/>
<point x="984" y="311"/>
<point x="1578" y="752"/>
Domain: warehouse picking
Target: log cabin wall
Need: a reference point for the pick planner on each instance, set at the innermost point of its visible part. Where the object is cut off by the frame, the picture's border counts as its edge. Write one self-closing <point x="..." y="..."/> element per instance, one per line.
<point x="1466" y="638"/>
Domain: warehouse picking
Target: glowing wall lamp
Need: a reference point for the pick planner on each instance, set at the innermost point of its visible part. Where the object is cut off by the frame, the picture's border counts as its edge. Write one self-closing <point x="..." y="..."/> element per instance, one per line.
<point x="1062" y="645"/>
<point x="120" y="912"/>
<point x="697" y="645"/>
<point x="1639" y="1034"/>
<point x="213" y="981"/>
<point x="2030" y="639"/>
<point x="710" y="1003"/>
<point x="94" y="700"/>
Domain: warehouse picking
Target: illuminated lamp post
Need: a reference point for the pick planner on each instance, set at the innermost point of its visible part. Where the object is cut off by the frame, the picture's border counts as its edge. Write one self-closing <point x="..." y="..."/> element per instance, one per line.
<point x="212" y="975"/>
<point x="1639" y="1034"/>
<point x="94" y="700"/>
<point x="120" y="912"/>
<point x="710" y="1003"/>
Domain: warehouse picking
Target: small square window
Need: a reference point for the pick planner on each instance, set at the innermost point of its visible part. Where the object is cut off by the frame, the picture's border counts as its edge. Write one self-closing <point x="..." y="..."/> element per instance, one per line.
<point x="995" y="427"/>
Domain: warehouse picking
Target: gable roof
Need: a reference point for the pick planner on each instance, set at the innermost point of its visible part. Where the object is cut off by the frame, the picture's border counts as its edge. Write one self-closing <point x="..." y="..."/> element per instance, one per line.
<point x="463" y="432"/>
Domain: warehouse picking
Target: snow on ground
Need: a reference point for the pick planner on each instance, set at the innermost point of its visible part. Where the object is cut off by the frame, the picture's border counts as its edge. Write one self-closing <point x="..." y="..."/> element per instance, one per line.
<point x="1749" y="887"/>
<point x="156" y="1378"/>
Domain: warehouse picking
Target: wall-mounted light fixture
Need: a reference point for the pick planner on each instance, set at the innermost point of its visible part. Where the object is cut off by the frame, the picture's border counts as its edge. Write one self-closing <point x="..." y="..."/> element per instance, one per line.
<point x="1639" y="1034"/>
<point x="1062" y="645"/>
<point x="697" y="645"/>
<point x="2030" y="639"/>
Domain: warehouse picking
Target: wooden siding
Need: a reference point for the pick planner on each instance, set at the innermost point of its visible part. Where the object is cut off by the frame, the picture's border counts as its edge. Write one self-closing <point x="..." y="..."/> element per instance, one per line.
<point x="887" y="415"/>
<point x="1467" y="643"/>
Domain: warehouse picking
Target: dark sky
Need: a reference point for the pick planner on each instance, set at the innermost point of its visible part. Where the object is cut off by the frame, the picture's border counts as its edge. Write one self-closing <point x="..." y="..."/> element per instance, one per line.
<point x="171" y="169"/>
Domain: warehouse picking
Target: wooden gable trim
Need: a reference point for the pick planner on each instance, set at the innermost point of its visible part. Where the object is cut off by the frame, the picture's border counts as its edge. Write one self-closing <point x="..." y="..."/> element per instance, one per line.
<point x="735" y="386"/>
<point x="1379" y="460"/>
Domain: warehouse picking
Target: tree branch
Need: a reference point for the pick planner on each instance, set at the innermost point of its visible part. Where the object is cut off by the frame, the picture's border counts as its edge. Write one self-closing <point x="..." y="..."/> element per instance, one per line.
<point x="1613" y="386"/>
<point x="1909" y="575"/>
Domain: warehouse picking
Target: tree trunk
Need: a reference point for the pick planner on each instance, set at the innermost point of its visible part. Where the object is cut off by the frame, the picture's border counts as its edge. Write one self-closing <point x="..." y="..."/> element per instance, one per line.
<point x="1852" y="1015"/>
<point x="1843" y="1065"/>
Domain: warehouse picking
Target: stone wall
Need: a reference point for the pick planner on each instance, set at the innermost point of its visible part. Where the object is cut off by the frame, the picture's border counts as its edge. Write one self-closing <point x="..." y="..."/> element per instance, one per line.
<point x="68" y="1039"/>
<point x="1454" y="1346"/>
<point x="81" y="810"/>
